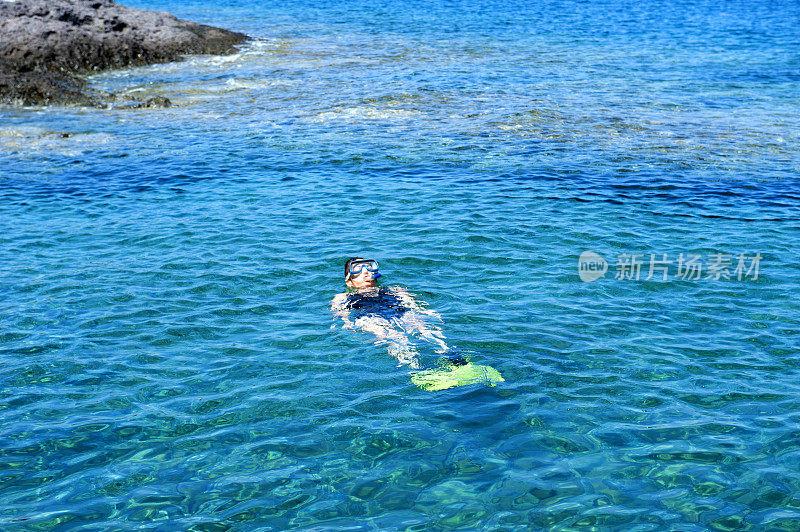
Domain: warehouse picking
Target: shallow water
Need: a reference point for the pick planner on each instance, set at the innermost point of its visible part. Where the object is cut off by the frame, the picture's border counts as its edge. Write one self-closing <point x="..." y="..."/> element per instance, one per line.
<point x="167" y="355"/>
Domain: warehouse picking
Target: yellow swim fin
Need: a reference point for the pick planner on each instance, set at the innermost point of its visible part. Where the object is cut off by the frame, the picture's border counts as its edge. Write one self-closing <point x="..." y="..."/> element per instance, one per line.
<point x="442" y="379"/>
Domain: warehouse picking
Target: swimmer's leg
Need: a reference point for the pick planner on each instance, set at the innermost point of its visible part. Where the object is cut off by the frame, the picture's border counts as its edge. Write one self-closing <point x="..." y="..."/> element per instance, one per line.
<point x="380" y="327"/>
<point x="455" y="358"/>
<point x="399" y="345"/>
<point x="405" y="354"/>
<point x="412" y="322"/>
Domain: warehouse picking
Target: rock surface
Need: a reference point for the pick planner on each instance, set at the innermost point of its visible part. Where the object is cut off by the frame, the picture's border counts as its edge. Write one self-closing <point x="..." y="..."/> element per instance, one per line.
<point x="45" y="43"/>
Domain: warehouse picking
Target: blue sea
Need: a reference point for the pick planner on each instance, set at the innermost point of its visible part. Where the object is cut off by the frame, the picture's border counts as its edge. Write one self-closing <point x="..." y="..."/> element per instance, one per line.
<point x="600" y="199"/>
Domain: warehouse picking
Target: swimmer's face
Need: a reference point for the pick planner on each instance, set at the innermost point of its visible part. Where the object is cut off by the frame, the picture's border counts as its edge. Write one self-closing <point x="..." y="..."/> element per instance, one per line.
<point x="363" y="279"/>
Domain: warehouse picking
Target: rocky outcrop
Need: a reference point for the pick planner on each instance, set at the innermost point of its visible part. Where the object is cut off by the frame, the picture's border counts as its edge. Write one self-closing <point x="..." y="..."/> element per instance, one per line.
<point x="46" y="44"/>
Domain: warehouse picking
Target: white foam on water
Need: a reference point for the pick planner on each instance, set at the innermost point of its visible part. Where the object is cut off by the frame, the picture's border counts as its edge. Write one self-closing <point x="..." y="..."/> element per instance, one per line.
<point x="364" y="113"/>
<point x="23" y="131"/>
<point x="244" y="83"/>
<point x="35" y="139"/>
<point x="211" y="74"/>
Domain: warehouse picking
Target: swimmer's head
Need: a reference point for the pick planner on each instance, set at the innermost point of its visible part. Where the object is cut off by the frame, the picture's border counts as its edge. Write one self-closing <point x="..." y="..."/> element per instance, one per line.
<point x="361" y="273"/>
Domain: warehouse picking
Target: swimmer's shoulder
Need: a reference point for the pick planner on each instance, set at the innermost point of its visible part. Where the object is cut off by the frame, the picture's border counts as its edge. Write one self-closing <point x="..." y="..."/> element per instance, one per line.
<point x="345" y="299"/>
<point x="339" y="301"/>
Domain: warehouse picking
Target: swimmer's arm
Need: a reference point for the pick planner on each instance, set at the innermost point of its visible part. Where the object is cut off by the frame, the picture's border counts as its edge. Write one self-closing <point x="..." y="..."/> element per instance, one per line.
<point x="412" y="304"/>
<point x="430" y="332"/>
<point x="339" y="308"/>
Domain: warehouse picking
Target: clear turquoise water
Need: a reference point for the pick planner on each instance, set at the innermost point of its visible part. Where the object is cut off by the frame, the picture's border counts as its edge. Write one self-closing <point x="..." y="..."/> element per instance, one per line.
<point x="166" y="353"/>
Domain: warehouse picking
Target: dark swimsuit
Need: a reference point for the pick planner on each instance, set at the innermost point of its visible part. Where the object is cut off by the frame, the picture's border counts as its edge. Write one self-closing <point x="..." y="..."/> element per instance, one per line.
<point x="381" y="302"/>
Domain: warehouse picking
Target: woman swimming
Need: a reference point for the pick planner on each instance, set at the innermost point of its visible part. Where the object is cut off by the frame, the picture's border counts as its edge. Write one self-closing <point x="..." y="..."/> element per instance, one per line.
<point x="391" y="314"/>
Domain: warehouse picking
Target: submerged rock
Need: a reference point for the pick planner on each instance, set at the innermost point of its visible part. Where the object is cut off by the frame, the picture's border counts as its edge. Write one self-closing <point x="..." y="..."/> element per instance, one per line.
<point x="45" y="44"/>
<point x="25" y="87"/>
<point x="157" y="102"/>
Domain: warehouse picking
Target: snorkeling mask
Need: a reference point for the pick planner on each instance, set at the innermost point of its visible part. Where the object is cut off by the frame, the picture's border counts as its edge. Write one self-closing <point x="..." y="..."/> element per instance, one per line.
<point x="357" y="266"/>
